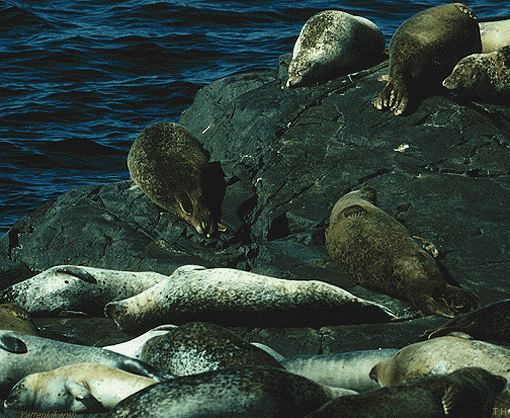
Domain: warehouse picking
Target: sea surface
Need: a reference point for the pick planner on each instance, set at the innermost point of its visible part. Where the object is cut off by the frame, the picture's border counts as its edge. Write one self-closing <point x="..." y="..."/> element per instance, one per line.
<point x="80" y="79"/>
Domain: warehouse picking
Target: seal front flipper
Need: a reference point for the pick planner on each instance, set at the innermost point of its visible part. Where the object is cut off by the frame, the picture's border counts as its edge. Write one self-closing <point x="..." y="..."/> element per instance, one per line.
<point x="81" y="394"/>
<point x="353" y="211"/>
<point x="13" y="345"/>
<point x="144" y="369"/>
<point x="76" y="272"/>
<point x="427" y="246"/>
<point x="393" y="97"/>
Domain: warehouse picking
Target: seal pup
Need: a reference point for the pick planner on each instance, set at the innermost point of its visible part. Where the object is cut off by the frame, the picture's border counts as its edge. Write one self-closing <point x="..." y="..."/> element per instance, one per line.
<point x="21" y="355"/>
<point x="250" y="391"/>
<point x="469" y="389"/>
<point x="232" y="297"/>
<point x="167" y="162"/>
<point x="495" y="35"/>
<point x="62" y="289"/>
<point x="79" y="388"/>
<point x="199" y="347"/>
<point x="491" y="322"/>
<point x="424" y="50"/>
<point x="483" y="77"/>
<point x="346" y="370"/>
<point x="15" y="318"/>
<point x="333" y="43"/>
<point x="378" y="253"/>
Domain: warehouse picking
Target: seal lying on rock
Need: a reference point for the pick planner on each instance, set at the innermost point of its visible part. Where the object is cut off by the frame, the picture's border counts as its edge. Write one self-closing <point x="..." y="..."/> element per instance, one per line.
<point x="333" y="43"/>
<point x="250" y="392"/>
<point x="80" y="387"/>
<point x="167" y="162"/>
<point x="377" y="252"/>
<point x="424" y="50"/>
<point x="469" y="389"/>
<point x="237" y="298"/>
<point x="483" y="77"/>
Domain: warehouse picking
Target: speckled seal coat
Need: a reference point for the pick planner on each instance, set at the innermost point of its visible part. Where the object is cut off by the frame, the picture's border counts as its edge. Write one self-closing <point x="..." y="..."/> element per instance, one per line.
<point x="334" y="43"/>
<point x="378" y="253"/>
<point x="424" y="50"/>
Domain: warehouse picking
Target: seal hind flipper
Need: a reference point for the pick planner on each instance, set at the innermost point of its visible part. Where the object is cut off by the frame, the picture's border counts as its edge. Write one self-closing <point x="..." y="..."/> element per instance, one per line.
<point x="13" y="345"/>
<point x="76" y="272"/>
<point x="354" y="211"/>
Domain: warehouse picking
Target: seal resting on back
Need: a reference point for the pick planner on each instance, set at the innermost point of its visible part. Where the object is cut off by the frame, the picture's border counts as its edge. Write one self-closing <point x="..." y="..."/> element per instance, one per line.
<point x="377" y="252"/>
<point x="167" y="162"/>
<point x="424" y="50"/>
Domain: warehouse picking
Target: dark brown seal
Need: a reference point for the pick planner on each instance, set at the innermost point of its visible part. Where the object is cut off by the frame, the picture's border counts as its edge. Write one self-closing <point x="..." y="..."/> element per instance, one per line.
<point x="15" y="318"/>
<point x="377" y="252"/>
<point x="424" y="50"/>
<point x="167" y="162"/>
<point x="199" y="347"/>
<point x="470" y="389"/>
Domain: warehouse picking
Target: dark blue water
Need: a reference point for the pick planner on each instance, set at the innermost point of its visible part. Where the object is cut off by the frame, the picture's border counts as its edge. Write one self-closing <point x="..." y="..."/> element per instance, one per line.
<point x="80" y="79"/>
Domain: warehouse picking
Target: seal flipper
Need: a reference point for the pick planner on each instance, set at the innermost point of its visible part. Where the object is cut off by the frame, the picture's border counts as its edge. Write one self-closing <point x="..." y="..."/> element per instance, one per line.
<point x="81" y="393"/>
<point x="394" y="96"/>
<point x="143" y="369"/>
<point x="13" y="345"/>
<point x="427" y="246"/>
<point x="452" y="400"/>
<point x="76" y="272"/>
<point x="353" y="211"/>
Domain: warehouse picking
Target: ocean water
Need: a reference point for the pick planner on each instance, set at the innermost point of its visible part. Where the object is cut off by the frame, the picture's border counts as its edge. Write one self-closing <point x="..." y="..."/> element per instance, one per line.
<point x="80" y="79"/>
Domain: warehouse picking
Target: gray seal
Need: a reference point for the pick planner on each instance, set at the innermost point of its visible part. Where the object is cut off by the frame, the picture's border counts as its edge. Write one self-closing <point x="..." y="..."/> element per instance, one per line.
<point x="378" y="253"/>
<point x="168" y="163"/>
<point x="78" y="388"/>
<point x="250" y="392"/>
<point x="482" y="77"/>
<point x="495" y="35"/>
<point x="199" y="347"/>
<point x="334" y="43"/>
<point x="231" y="297"/>
<point x="424" y="50"/>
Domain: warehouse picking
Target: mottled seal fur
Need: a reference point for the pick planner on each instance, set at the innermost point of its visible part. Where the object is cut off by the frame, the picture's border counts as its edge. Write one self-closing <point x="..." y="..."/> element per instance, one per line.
<point x="495" y="35"/>
<point x="482" y="77"/>
<point x="489" y="323"/>
<point x="250" y="392"/>
<point x="232" y="297"/>
<point x="21" y="355"/>
<point x="79" y="388"/>
<point x="76" y="288"/>
<point x="468" y="389"/>
<point x="199" y="347"/>
<point x="346" y="370"/>
<point x="167" y="162"/>
<point x="377" y="252"/>
<point x="15" y="318"/>
<point x="333" y="43"/>
<point x="424" y="50"/>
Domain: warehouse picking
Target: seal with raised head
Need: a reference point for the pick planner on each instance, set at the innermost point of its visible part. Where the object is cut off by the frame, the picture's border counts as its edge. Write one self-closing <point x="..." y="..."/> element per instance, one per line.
<point x="231" y="297"/>
<point x="482" y="77"/>
<point x="378" y="253"/>
<point x="469" y="389"/>
<point x="15" y="318"/>
<point x="424" y="50"/>
<point x="495" y="35"/>
<point x="167" y="162"/>
<point x="250" y="392"/>
<point x="79" y="388"/>
<point x="199" y="347"/>
<point x="334" y="43"/>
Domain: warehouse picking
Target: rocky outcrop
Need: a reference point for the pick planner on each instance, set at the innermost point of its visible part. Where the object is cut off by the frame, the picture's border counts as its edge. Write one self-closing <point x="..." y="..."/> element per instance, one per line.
<point x="288" y="156"/>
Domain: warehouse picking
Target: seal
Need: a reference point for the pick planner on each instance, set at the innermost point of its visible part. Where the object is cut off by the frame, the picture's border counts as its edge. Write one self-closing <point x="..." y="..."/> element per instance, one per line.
<point x="250" y="391"/>
<point x="232" y="297"/>
<point x="199" y="347"/>
<point x="15" y="318"/>
<point x="21" y="355"/>
<point x="167" y="162"/>
<point x="482" y="77"/>
<point x="495" y="35"/>
<point x="346" y="370"/>
<point x="62" y="289"/>
<point x="469" y="389"/>
<point x="79" y="388"/>
<point x="377" y="252"/>
<point x="334" y="43"/>
<point x="491" y="322"/>
<point x="424" y="50"/>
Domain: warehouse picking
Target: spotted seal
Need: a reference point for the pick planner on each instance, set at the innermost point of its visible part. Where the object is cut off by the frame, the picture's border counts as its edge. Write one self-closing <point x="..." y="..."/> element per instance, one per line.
<point x="237" y="298"/>
<point x="378" y="253"/>
<point x="333" y="43"/>
<point x="168" y="163"/>
<point x="79" y="388"/>
<point x="424" y="50"/>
